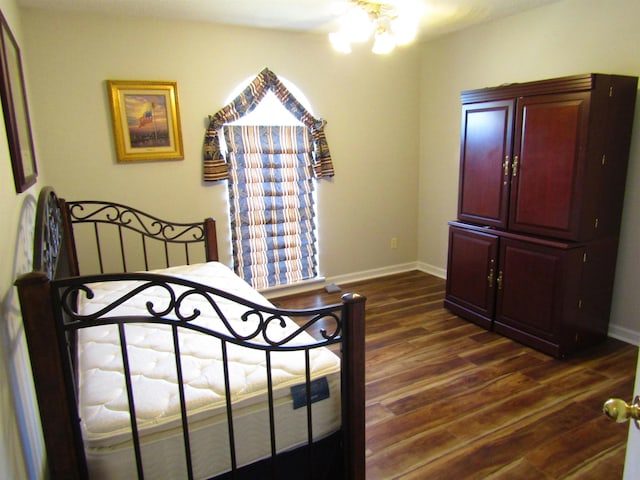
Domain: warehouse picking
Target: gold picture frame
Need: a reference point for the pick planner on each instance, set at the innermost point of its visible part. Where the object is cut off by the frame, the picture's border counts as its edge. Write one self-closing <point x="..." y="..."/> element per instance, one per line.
<point x="146" y="120"/>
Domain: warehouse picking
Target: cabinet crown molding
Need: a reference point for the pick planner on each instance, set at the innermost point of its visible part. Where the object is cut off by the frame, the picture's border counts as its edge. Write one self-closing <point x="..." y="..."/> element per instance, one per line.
<point x="573" y="83"/>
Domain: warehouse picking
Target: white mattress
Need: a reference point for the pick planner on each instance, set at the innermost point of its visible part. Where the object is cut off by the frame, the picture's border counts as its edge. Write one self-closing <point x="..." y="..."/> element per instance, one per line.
<point x="103" y="398"/>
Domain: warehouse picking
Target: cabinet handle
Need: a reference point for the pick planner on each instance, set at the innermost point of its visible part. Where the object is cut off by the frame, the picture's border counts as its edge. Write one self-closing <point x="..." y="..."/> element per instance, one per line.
<point x="515" y="165"/>
<point x="505" y="165"/>
<point x="490" y="276"/>
<point x="500" y="280"/>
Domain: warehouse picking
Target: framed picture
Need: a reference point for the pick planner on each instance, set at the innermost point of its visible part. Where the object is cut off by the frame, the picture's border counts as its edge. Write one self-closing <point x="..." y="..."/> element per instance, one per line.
<point x="16" y="113"/>
<point x="146" y="120"/>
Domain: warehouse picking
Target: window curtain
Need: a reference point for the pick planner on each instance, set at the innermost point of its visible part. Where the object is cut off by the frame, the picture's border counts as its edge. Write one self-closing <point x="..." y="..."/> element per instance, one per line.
<point x="271" y="200"/>
<point x="215" y="165"/>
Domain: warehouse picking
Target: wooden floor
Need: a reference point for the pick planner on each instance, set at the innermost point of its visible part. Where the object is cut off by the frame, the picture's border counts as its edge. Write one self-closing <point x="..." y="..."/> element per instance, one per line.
<point x="449" y="400"/>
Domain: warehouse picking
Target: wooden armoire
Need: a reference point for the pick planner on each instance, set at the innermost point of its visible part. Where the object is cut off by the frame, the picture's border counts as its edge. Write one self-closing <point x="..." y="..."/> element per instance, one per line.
<point x="543" y="164"/>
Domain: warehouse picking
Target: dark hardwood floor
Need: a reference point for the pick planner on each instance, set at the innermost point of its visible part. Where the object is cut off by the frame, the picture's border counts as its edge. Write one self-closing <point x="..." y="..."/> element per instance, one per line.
<point x="449" y="400"/>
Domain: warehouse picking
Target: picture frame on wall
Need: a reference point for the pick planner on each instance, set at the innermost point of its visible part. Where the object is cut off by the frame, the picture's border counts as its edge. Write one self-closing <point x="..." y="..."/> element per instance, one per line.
<point x="16" y="111"/>
<point x="146" y="120"/>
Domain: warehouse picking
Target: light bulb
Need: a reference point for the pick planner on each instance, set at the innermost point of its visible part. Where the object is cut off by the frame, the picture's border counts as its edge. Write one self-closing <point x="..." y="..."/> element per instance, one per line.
<point x="340" y="42"/>
<point x="393" y="23"/>
<point x="404" y="28"/>
<point x="358" y="25"/>
<point x="383" y="43"/>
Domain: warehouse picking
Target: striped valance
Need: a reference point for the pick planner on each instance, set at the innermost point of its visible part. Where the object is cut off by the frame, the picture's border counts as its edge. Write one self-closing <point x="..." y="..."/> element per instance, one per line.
<point x="216" y="166"/>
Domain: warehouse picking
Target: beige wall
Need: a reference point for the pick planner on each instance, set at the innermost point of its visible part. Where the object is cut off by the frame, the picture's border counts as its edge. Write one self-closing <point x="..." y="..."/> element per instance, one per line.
<point x="369" y="103"/>
<point x="565" y="38"/>
<point x="393" y="129"/>
<point x="20" y="440"/>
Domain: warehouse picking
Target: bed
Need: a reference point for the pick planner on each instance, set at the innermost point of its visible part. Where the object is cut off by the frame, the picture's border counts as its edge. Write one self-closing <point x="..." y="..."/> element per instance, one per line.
<point x="180" y="369"/>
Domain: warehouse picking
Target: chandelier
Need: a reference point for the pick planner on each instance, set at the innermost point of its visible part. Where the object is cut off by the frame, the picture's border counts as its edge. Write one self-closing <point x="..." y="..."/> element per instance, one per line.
<point x="391" y="24"/>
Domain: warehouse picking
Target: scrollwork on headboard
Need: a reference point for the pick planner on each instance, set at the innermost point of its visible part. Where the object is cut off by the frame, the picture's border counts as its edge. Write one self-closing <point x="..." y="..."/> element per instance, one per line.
<point x="48" y="235"/>
<point x="117" y="214"/>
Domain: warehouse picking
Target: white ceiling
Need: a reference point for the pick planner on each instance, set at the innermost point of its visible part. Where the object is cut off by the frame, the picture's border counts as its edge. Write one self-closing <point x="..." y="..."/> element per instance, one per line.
<point x="440" y="16"/>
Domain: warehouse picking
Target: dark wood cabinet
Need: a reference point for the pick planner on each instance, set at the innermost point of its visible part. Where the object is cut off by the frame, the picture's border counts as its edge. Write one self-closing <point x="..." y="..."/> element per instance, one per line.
<point x="542" y="173"/>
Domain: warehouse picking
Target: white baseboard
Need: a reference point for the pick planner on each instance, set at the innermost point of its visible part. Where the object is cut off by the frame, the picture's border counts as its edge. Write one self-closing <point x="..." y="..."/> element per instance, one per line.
<point x="390" y="270"/>
<point x="624" y="334"/>
<point x="430" y="269"/>
<point x="354" y="277"/>
<point x="374" y="273"/>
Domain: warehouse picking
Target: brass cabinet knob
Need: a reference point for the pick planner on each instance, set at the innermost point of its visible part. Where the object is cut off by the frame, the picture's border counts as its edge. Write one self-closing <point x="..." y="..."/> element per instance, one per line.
<point x="490" y="276"/>
<point x="621" y="411"/>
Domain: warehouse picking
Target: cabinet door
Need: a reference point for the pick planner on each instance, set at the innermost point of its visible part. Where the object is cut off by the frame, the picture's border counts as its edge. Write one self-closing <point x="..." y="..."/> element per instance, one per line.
<point x="484" y="162"/>
<point x="538" y="294"/>
<point x="528" y="283"/>
<point x="548" y="164"/>
<point x="471" y="274"/>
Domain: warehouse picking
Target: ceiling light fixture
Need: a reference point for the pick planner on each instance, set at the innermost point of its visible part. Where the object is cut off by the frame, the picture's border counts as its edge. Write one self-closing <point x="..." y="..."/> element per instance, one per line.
<point x="391" y="24"/>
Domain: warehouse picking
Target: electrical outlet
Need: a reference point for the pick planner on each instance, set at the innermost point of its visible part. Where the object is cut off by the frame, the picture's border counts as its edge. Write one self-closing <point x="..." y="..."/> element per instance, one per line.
<point x="393" y="243"/>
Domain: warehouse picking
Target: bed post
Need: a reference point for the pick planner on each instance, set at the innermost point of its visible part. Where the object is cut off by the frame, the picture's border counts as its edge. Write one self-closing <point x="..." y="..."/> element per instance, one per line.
<point x="211" y="240"/>
<point x="69" y="240"/>
<point x="353" y="410"/>
<point x="60" y="427"/>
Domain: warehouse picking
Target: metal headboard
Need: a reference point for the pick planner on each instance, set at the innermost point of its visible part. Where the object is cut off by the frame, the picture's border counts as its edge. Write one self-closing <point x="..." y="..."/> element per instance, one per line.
<point x="49" y="233"/>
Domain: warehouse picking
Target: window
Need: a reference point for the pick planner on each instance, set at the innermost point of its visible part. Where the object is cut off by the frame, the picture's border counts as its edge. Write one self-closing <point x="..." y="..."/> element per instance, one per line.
<point x="272" y="150"/>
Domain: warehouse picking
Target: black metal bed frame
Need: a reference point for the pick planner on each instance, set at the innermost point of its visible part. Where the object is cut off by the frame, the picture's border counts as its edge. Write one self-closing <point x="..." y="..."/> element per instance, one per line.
<point x="50" y="317"/>
<point x="109" y="215"/>
<point x="174" y="315"/>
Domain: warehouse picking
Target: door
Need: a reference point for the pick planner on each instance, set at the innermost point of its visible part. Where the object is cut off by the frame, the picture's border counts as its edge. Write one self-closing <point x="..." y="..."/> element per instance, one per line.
<point x="485" y="151"/>
<point x="548" y="164"/>
<point x="632" y="459"/>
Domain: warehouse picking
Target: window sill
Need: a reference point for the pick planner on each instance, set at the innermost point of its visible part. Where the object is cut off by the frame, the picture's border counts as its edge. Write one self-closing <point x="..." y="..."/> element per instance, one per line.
<point x="298" y="287"/>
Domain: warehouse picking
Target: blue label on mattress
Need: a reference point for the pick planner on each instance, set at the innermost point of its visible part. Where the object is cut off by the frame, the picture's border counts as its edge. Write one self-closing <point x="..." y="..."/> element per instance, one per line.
<point x="319" y="391"/>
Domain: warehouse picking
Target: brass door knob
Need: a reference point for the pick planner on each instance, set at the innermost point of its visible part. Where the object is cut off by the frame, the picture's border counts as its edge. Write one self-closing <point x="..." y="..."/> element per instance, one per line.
<point x="621" y="411"/>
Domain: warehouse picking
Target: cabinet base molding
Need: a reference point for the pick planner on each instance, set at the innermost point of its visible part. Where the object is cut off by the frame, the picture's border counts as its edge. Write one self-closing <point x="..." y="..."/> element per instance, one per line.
<point x="467" y="314"/>
<point x="530" y="340"/>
